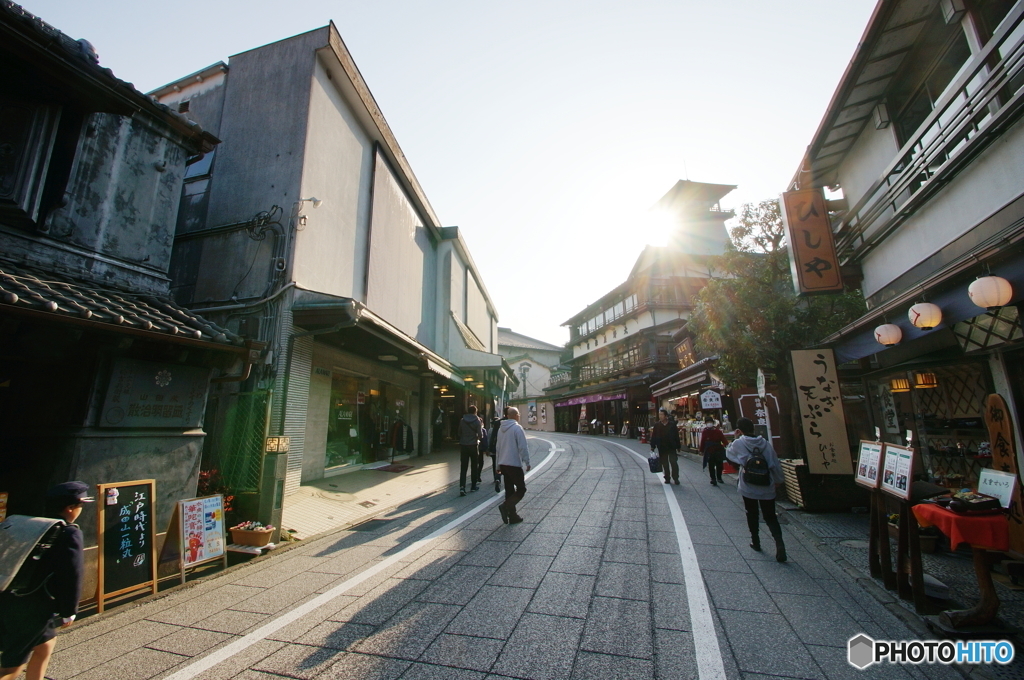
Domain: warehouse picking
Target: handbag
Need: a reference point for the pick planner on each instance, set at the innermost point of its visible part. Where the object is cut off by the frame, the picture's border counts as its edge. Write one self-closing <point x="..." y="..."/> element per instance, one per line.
<point x="654" y="462"/>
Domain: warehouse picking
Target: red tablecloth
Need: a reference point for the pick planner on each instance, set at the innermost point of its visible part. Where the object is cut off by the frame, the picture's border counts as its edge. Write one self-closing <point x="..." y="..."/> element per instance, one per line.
<point x="984" y="531"/>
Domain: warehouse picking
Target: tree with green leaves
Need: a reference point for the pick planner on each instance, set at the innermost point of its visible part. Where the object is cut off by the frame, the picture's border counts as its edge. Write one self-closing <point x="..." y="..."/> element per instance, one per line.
<point x="749" y="315"/>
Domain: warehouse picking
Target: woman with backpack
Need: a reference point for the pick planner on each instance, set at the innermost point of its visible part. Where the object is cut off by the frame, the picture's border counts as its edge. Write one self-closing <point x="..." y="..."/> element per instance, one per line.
<point x="29" y="620"/>
<point x="760" y="472"/>
<point x="712" y="445"/>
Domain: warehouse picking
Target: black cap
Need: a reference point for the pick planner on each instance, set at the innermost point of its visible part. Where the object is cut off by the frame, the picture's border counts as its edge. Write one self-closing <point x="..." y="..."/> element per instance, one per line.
<point x="76" y="492"/>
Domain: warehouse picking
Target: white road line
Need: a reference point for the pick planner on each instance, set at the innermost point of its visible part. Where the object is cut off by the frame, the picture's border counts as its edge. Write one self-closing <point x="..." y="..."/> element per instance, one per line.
<point x="271" y="627"/>
<point x="705" y="639"/>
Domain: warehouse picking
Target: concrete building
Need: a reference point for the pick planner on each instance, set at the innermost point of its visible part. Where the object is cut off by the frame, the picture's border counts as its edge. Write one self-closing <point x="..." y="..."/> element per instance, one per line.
<point x="308" y="229"/>
<point x="622" y="343"/>
<point x="103" y="378"/>
<point x="533" y="361"/>
<point x="924" y="137"/>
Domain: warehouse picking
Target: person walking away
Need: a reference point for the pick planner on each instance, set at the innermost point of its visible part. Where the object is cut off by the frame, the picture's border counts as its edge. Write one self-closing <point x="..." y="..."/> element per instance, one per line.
<point x="514" y="461"/>
<point x="665" y="436"/>
<point x="760" y="472"/>
<point x="470" y="433"/>
<point x="29" y="620"/>
<point x="712" y="445"/>
<point x="492" y="448"/>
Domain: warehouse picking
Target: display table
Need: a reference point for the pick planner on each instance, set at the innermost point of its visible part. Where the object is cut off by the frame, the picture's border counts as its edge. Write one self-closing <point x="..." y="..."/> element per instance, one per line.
<point x="982" y="533"/>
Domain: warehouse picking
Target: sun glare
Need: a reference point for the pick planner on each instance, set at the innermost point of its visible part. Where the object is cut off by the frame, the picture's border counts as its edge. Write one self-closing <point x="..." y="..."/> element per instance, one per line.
<point x="656" y="226"/>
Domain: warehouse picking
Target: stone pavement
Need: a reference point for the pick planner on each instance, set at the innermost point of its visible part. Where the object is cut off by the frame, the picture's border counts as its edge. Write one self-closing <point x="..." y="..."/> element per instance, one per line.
<point x="590" y="585"/>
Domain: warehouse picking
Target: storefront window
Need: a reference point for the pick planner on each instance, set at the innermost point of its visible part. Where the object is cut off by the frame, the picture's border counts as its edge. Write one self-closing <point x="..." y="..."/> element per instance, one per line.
<point x="344" y="444"/>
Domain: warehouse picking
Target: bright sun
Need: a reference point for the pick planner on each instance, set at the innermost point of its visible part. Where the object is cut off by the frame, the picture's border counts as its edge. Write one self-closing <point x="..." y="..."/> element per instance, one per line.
<point x="656" y="226"/>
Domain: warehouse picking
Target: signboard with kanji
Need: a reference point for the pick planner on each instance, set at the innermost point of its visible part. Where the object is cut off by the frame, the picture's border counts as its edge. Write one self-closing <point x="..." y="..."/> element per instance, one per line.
<point x="148" y="394"/>
<point x="869" y="464"/>
<point x="820" y="407"/>
<point x="999" y="422"/>
<point x="812" y="250"/>
<point x="710" y="399"/>
<point x="997" y="484"/>
<point x="126" y="539"/>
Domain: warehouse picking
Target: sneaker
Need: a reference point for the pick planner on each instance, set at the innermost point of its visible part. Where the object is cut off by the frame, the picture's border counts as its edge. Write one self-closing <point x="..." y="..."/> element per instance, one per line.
<point x="504" y="513"/>
<point x="462" y="491"/>
<point x="474" y="488"/>
<point x="677" y="482"/>
<point x="668" y="481"/>
<point x="515" y="519"/>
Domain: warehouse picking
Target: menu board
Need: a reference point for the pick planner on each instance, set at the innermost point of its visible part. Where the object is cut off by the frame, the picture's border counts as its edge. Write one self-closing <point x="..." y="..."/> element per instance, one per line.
<point x="869" y="462"/>
<point x="127" y="553"/>
<point x="897" y="468"/>
<point x="997" y="484"/>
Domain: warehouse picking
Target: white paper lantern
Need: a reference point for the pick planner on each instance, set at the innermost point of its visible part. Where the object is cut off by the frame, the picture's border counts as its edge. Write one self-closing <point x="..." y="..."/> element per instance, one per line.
<point x="990" y="292"/>
<point x="925" y="315"/>
<point x="888" y="334"/>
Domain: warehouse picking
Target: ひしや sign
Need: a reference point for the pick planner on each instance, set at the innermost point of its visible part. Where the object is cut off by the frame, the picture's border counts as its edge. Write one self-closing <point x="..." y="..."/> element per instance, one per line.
<point x="821" y="412"/>
<point x="812" y="250"/>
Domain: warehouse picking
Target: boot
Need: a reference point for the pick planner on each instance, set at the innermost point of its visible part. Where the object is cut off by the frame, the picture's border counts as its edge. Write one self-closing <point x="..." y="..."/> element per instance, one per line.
<point x="755" y="543"/>
<point x="780" y="546"/>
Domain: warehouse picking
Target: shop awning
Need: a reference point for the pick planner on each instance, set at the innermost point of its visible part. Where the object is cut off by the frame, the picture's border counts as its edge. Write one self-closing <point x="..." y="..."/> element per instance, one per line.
<point x="613" y="387"/>
<point x="51" y="296"/>
<point x="694" y="374"/>
<point x="318" y="311"/>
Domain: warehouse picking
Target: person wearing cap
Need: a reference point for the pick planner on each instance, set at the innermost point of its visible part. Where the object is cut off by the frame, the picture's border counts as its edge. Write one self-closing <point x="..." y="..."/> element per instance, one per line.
<point x="29" y="620"/>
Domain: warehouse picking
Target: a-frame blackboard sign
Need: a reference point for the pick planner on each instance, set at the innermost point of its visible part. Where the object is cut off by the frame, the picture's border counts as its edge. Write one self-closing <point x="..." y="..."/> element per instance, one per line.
<point x="126" y="539"/>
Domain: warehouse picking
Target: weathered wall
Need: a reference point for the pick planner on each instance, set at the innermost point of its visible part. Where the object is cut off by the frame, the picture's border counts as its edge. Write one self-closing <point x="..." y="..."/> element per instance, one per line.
<point x="123" y="195"/>
<point x="866" y="161"/>
<point x="478" y="318"/>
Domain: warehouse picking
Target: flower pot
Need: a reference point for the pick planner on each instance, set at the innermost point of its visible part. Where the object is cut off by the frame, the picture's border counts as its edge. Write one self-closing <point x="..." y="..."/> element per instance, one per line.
<point x="257" y="539"/>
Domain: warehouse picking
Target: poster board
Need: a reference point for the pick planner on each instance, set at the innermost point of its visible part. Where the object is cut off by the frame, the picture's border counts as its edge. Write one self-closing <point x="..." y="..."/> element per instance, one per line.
<point x="126" y="545"/>
<point x="897" y="469"/>
<point x="196" y="534"/>
<point x="869" y="464"/>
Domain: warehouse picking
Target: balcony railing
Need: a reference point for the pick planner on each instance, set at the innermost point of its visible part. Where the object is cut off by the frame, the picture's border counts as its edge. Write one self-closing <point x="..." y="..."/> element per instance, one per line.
<point x="976" y="108"/>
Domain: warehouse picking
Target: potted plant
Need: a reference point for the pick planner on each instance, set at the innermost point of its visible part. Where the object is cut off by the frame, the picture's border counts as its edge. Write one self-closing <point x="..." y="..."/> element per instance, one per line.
<point x="251" y="533"/>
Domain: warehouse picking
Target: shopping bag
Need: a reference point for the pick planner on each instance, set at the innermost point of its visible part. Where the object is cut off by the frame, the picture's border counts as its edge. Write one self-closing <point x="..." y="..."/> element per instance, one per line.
<point x="655" y="462"/>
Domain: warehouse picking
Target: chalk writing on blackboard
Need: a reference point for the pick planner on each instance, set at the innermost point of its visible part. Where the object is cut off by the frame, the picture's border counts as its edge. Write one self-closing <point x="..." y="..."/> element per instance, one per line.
<point x="126" y="538"/>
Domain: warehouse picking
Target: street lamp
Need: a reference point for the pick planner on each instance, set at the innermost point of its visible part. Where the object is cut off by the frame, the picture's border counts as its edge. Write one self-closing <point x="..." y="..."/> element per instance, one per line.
<point x="524" y="370"/>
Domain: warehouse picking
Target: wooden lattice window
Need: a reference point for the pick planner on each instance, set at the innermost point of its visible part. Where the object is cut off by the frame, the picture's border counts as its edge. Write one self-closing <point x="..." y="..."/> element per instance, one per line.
<point x="989" y="329"/>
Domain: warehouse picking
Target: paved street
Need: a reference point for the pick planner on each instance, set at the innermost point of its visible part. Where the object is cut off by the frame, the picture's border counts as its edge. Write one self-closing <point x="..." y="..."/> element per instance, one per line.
<point x="591" y="585"/>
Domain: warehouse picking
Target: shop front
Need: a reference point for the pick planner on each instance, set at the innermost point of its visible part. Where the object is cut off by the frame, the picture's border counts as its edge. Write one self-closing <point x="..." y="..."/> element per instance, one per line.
<point x="691" y="395"/>
<point x="617" y="413"/>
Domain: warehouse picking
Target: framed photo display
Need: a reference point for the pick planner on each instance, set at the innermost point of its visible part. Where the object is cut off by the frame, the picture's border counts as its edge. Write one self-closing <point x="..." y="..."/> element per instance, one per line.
<point x="869" y="464"/>
<point x="897" y="469"/>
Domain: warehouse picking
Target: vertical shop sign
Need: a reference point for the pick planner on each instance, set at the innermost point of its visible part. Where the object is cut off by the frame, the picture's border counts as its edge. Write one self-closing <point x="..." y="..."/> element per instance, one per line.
<point x="531" y="412"/>
<point x="821" y="412"/>
<point x="890" y="418"/>
<point x="1004" y="458"/>
<point x="126" y="547"/>
<point x="812" y="250"/>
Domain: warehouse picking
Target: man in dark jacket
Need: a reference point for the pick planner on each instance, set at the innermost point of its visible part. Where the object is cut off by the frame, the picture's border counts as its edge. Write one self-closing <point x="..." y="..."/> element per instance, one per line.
<point x="29" y="622"/>
<point x="665" y="436"/>
<point x="471" y="431"/>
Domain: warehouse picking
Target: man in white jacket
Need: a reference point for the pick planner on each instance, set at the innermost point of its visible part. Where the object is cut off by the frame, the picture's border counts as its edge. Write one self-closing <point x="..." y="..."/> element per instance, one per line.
<point x="513" y="456"/>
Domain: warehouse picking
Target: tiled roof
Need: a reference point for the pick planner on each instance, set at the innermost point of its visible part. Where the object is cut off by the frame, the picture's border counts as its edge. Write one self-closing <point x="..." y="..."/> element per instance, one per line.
<point x="509" y="338"/>
<point x="63" y="296"/>
<point x="80" y="55"/>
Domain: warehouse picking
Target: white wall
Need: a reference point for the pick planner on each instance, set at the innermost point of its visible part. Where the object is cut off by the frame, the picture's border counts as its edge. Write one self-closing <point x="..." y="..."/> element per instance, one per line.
<point x="873" y="151"/>
<point x="330" y="250"/>
<point x="989" y="183"/>
<point x="477" y="317"/>
<point x="403" y="261"/>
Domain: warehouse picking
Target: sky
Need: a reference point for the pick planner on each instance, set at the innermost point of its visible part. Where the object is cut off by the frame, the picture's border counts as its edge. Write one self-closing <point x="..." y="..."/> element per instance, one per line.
<point x="544" y="129"/>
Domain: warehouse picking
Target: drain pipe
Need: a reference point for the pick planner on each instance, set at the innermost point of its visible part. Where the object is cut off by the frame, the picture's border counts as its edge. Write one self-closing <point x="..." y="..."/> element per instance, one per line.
<point x="353" y="314"/>
<point x="255" y="348"/>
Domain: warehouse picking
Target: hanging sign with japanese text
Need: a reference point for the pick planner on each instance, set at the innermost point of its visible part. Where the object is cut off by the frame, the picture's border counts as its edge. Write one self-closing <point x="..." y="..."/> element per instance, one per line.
<point x="897" y="468"/>
<point x="888" y="406"/>
<point x="869" y="462"/>
<point x="148" y="394"/>
<point x="812" y="250"/>
<point x="820" y="407"/>
<point x="710" y="399"/>
<point x="126" y="540"/>
<point x="999" y="422"/>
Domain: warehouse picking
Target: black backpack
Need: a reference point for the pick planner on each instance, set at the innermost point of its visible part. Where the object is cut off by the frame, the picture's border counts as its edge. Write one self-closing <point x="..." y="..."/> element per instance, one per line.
<point x="755" y="470"/>
<point x="35" y="571"/>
